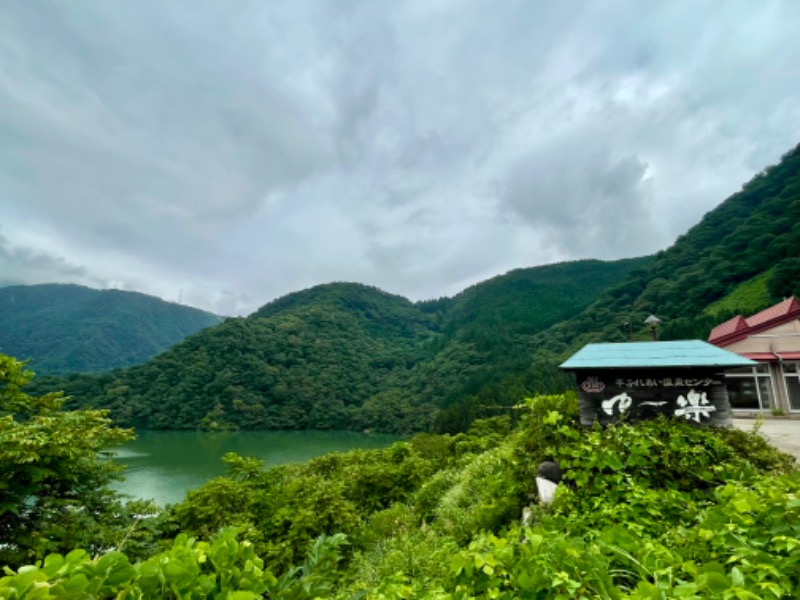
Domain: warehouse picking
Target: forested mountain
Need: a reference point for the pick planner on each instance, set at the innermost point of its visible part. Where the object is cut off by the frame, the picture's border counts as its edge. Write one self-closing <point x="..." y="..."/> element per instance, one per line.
<point x="349" y="356"/>
<point x="65" y="328"/>
<point x="741" y="257"/>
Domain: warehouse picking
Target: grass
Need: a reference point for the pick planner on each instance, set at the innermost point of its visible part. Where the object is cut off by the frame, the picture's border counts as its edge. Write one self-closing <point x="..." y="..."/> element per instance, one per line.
<point x="747" y="298"/>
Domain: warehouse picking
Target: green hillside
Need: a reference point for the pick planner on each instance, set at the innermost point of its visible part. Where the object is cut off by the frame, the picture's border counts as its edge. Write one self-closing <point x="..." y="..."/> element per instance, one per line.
<point x="489" y="336"/>
<point x="503" y="302"/>
<point x="753" y="231"/>
<point x="353" y="357"/>
<point x="348" y="356"/>
<point x="66" y="328"/>
<point x="746" y="298"/>
<point x="743" y="256"/>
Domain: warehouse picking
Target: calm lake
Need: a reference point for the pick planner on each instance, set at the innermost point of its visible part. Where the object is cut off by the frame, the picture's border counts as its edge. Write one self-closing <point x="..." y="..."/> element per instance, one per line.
<point x="164" y="465"/>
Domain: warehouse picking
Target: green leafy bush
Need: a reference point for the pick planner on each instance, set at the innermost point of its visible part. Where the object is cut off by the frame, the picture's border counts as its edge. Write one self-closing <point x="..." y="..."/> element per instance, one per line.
<point x="54" y="492"/>
<point x="484" y="495"/>
<point x="221" y="568"/>
<point x="652" y="510"/>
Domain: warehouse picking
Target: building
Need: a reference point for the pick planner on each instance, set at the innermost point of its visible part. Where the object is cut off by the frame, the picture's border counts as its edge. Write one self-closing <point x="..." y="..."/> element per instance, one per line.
<point x="642" y="380"/>
<point x="771" y="338"/>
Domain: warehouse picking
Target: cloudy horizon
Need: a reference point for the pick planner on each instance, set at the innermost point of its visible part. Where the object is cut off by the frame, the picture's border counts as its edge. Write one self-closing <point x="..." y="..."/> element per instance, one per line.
<point x="228" y="153"/>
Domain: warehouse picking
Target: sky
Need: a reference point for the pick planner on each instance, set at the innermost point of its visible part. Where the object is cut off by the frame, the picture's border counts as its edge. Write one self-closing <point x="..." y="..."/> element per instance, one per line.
<point x="224" y="153"/>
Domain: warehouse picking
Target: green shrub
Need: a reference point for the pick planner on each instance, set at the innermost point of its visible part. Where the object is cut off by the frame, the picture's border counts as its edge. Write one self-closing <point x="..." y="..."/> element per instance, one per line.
<point x="485" y="495"/>
<point x="753" y="447"/>
<point x="222" y="568"/>
<point x="430" y="493"/>
<point x="391" y="567"/>
<point x="657" y="509"/>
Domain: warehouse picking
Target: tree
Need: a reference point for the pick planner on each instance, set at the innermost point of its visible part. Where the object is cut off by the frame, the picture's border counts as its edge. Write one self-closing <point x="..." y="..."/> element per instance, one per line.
<point x="54" y="493"/>
<point x="785" y="280"/>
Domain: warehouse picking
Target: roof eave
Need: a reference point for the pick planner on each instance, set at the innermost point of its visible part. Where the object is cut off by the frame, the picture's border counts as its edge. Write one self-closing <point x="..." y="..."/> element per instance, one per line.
<point x="738" y="336"/>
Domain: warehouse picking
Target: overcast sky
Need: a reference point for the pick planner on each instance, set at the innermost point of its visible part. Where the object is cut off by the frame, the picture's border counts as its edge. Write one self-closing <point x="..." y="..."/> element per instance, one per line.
<point x="233" y="151"/>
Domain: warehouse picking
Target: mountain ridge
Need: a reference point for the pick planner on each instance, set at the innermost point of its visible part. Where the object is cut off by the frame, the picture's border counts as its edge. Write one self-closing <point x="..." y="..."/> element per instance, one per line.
<point x="65" y="328"/>
<point x="347" y="355"/>
<point x="754" y="230"/>
<point x="344" y="355"/>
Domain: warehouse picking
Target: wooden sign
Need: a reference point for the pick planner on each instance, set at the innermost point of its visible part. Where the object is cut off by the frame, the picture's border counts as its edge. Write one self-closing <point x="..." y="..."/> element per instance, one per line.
<point x="697" y="396"/>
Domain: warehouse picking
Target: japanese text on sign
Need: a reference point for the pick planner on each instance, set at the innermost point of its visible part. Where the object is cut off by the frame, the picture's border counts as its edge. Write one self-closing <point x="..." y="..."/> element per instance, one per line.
<point x="667" y="382"/>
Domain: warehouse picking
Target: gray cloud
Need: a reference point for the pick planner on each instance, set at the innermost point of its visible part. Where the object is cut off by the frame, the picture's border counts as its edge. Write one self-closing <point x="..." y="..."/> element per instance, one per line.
<point x="584" y="200"/>
<point x="242" y="150"/>
<point x="26" y="265"/>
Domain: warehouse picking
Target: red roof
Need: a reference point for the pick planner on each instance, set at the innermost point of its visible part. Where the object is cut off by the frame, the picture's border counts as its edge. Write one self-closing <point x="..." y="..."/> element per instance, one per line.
<point x="730" y="326"/>
<point x="781" y="309"/>
<point x="738" y="327"/>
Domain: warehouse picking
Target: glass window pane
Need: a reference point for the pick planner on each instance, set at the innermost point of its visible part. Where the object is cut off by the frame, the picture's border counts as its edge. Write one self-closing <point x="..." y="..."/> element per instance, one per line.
<point x="742" y="392"/>
<point x="793" y="386"/>
<point x="765" y="387"/>
<point x="762" y="369"/>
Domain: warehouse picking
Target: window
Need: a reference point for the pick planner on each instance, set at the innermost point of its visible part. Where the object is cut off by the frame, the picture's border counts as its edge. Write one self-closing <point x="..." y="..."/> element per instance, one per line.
<point x="750" y="388"/>
<point x="791" y="375"/>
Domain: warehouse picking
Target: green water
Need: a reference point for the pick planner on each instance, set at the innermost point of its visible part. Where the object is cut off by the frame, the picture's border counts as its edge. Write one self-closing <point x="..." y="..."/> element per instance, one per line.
<point x="164" y="465"/>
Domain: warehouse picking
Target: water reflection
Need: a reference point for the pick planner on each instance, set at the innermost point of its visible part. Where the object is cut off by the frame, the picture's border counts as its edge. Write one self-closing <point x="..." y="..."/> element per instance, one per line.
<point x="164" y="465"/>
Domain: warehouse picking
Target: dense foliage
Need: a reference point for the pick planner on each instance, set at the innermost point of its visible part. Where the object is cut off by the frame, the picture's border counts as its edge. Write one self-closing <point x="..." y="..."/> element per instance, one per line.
<point x="747" y="298"/>
<point x="70" y="328"/>
<point x="347" y="356"/>
<point x="785" y="280"/>
<point x="650" y="510"/>
<point x="53" y="484"/>
<point x="221" y="568"/>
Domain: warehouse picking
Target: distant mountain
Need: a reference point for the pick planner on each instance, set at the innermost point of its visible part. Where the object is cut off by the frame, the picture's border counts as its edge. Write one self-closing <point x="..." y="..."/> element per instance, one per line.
<point x="348" y="356"/>
<point x="67" y="328"/>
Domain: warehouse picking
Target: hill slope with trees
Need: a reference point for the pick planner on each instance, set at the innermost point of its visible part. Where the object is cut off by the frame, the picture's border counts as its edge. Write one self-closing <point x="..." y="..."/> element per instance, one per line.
<point x="346" y="356"/>
<point x="65" y="328"/>
<point x="754" y="231"/>
<point x="353" y="357"/>
<point x="743" y="256"/>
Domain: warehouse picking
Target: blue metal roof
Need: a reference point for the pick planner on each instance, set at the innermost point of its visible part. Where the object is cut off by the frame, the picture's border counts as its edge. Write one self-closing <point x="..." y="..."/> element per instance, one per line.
<point x="687" y="353"/>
